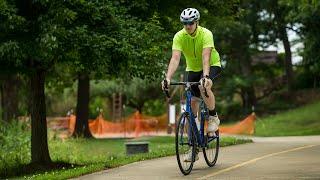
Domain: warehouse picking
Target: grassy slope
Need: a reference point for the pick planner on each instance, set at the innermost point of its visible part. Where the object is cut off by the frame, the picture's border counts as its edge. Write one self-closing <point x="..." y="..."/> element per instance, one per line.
<point x="301" y="121"/>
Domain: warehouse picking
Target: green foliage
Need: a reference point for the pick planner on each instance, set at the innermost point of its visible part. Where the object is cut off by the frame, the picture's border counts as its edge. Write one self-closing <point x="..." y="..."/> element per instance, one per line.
<point x="83" y="158"/>
<point x="89" y="34"/>
<point x="59" y="102"/>
<point x="135" y="91"/>
<point x="106" y="87"/>
<point x="155" y="107"/>
<point x="145" y="45"/>
<point x="227" y="141"/>
<point x="98" y="105"/>
<point x="14" y="146"/>
<point x="108" y="153"/>
<point x="306" y="78"/>
<point x="280" y="101"/>
<point x="229" y="110"/>
<point x="295" y="122"/>
<point x="99" y="37"/>
<point x="307" y="15"/>
<point x="274" y="104"/>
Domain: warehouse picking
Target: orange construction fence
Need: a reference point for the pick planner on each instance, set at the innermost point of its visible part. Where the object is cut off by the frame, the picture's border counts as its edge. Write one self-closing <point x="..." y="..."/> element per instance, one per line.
<point x="133" y="125"/>
<point x="246" y="126"/>
<point x="138" y="124"/>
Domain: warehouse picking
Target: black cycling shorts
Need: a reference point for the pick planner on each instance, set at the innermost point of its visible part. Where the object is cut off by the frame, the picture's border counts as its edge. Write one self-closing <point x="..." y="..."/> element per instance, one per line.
<point x="196" y="76"/>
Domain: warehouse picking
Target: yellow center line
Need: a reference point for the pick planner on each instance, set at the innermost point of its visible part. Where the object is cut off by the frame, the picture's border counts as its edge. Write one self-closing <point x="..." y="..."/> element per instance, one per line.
<point x="254" y="160"/>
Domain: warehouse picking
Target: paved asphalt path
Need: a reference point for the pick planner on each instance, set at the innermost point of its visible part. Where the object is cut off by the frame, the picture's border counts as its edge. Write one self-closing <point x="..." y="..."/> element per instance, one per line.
<point x="266" y="158"/>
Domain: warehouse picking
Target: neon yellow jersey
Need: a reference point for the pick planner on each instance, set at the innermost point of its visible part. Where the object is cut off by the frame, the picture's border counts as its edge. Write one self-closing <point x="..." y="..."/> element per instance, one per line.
<point x="192" y="47"/>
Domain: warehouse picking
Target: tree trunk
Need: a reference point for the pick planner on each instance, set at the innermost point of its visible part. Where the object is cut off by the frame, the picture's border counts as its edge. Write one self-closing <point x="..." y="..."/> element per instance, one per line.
<point x="39" y="141"/>
<point x="137" y="105"/>
<point x="9" y="97"/>
<point x="249" y="99"/>
<point x="82" y="112"/>
<point x="281" y="24"/>
<point x="288" y="57"/>
<point x="248" y="93"/>
<point x="139" y="108"/>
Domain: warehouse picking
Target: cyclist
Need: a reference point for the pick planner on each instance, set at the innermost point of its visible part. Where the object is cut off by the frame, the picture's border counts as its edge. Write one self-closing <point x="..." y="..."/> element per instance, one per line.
<point x="203" y="64"/>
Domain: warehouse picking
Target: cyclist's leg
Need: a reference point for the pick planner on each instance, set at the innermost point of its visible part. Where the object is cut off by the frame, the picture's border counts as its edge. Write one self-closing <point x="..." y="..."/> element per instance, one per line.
<point x="194" y="77"/>
<point x="210" y="101"/>
<point x="195" y="106"/>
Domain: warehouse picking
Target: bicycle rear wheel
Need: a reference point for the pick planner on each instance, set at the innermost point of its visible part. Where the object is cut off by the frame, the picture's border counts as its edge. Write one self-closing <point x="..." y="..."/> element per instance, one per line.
<point x="211" y="151"/>
<point x="185" y="142"/>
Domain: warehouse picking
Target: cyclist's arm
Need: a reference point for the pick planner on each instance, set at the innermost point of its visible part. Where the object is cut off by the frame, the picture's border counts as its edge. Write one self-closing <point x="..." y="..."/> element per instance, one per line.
<point x="174" y="63"/>
<point x="206" y="55"/>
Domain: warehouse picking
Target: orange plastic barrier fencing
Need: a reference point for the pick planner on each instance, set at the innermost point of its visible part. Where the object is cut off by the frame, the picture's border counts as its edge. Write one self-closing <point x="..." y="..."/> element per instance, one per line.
<point x="245" y="126"/>
<point x="137" y="124"/>
<point x="133" y="125"/>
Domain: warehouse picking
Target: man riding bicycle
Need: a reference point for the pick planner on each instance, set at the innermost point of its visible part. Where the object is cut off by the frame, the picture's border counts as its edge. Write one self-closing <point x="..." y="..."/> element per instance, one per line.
<point x="203" y="64"/>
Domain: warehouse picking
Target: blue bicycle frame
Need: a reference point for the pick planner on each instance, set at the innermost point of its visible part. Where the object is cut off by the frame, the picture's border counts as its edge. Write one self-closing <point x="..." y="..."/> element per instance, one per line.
<point x="201" y="139"/>
<point x="196" y="138"/>
<point x="193" y="128"/>
<point x="199" y="134"/>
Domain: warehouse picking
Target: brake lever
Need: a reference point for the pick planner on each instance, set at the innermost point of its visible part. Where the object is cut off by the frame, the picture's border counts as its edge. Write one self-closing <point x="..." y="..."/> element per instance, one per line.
<point x="166" y="88"/>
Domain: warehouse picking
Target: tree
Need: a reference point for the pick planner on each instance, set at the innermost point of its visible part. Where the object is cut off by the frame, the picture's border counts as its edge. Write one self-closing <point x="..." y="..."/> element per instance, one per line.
<point x="9" y="89"/>
<point x="27" y="47"/>
<point x="91" y="33"/>
<point x="139" y="91"/>
<point x="273" y="15"/>
<point x="136" y="92"/>
<point x="236" y="48"/>
<point x="35" y="36"/>
<point x="9" y="78"/>
<point x="306" y="15"/>
<point x="110" y="43"/>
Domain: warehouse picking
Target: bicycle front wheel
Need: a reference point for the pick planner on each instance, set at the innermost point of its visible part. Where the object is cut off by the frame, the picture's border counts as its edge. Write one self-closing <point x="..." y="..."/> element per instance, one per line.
<point x="211" y="151"/>
<point x="185" y="144"/>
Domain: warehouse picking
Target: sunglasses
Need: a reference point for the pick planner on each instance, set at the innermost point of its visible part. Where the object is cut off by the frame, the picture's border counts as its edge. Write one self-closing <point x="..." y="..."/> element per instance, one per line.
<point x="188" y="23"/>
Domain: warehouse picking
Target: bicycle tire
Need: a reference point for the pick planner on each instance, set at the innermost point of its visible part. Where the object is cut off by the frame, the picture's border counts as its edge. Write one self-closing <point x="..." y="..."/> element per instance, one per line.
<point x="211" y="151"/>
<point x="184" y="120"/>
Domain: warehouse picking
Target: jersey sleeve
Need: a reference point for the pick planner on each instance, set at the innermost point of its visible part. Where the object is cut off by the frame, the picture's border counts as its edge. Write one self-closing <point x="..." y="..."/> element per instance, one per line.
<point x="208" y="40"/>
<point x="176" y="44"/>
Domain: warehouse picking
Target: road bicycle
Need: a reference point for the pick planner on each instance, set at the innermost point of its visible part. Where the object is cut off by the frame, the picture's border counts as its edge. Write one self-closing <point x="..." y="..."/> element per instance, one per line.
<point x="190" y="137"/>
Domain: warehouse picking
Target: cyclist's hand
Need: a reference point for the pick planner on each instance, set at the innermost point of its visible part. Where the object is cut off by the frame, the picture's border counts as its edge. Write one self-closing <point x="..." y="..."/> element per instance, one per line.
<point x="205" y="81"/>
<point x="165" y="84"/>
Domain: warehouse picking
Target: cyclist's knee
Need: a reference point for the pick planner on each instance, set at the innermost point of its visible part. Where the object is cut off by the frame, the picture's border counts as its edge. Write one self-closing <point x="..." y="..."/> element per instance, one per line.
<point x="207" y="87"/>
<point x="209" y="84"/>
<point x="201" y="88"/>
<point x="195" y="100"/>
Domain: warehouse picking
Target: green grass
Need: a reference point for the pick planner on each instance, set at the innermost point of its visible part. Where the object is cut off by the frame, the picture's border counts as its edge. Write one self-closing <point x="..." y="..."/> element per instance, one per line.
<point x="300" y="121"/>
<point x="90" y="155"/>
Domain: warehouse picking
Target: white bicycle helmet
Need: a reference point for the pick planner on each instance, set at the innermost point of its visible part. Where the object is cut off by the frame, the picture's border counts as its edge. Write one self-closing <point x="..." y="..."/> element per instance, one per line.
<point x="189" y="15"/>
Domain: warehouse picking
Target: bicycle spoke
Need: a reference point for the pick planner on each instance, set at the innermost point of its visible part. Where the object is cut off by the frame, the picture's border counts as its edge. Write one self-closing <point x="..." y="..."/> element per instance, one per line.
<point x="183" y="146"/>
<point x="212" y="149"/>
